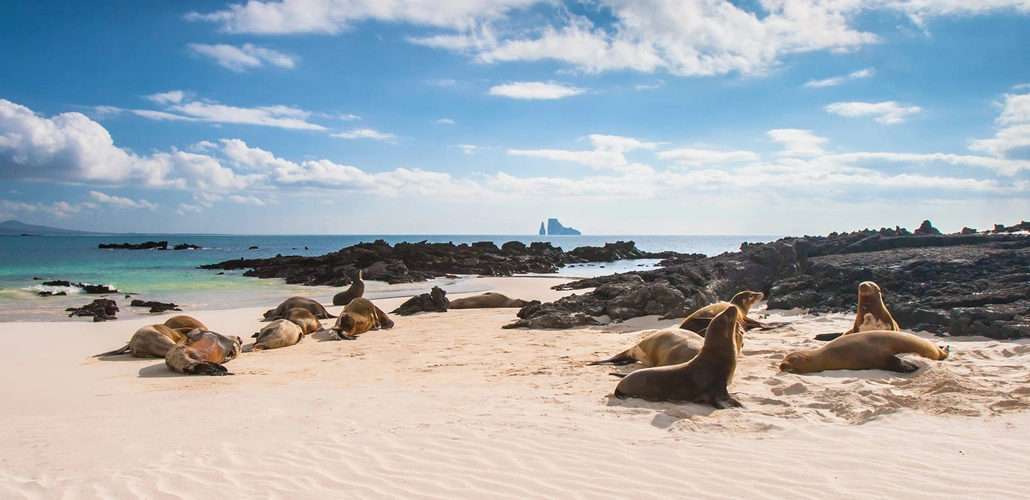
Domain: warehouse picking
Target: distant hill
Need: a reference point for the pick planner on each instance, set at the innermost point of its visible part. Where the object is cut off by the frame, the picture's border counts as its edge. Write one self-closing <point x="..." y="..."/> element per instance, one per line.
<point x="13" y="227"/>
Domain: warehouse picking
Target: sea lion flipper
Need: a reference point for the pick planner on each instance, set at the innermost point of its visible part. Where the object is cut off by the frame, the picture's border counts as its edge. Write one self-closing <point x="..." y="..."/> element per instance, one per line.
<point x="122" y="350"/>
<point x="896" y="364"/>
<point x="618" y="374"/>
<point x="195" y="334"/>
<point x="828" y="336"/>
<point x="207" y="368"/>
<point x="622" y="358"/>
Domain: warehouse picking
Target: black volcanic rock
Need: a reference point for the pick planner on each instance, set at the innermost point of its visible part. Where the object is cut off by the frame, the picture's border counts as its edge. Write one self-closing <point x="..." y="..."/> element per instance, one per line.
<point x="155" y="306"/>
<point x="434" y="301"/>
<point x="147" y="245"/>
<point x="186" y="246"/>
<point x="99" y="309"/>
<point x="86" y="287"/>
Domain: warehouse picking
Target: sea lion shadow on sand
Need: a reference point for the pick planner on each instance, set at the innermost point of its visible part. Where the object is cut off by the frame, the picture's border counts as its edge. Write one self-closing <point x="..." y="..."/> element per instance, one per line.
<point x="158" y="370"/>
<point x="324" y="335"/>
<point x="667" y="413"/>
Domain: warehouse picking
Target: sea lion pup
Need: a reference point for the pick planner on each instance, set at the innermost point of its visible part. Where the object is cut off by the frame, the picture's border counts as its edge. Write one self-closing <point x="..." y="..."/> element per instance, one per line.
<point x="303" y="318"/>
<point x="182" y="321"/>
<point x="486" y="300"/>
<point x="279" y="333"/>
<point x="311" y="305"/>
<point x="698" y="321"/>
<point x="671" y="346"/>
<point x="151" y="341"/>
<point x="872" y="314"/>
<point x="357" y="289"/>
<point x="358" y="317"/>
<point x="202" y="352"/>
<point x="703" y="379"/>
<point x="865" y="351"/>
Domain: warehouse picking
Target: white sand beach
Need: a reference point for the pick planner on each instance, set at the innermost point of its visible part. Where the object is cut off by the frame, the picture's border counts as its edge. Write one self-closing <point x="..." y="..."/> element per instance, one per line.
<point x="450" y="405"/>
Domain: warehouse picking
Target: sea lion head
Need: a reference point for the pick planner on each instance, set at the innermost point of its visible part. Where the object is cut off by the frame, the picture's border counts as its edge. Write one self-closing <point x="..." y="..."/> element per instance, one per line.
<point x="724" y="329"/>
<point x="269" y="313"/>
<point x="746" y="299"/>
<point x="795" y="362"/>
<point x="869" y="290"/>
<point x="345" y="324"/>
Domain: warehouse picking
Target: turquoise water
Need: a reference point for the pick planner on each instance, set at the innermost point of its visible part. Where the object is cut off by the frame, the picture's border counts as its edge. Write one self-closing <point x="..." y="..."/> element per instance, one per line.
<point x="172" y="275"/>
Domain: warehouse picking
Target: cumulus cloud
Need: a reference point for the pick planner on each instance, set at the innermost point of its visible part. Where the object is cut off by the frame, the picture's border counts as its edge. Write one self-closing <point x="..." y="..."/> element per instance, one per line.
<point x="121" y="202"/>
<point x="242" y="58"/>
<point x="797" y="142"/>
<point x="837" y="80"/>
<point x="534" y="90"/>
<point x="365" y="133"/>
<point x="887" y="113"/>
<point x="1013" y="136"/>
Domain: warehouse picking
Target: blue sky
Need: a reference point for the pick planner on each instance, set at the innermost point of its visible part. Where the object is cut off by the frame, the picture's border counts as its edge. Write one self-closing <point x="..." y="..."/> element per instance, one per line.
<point x="486" y="117"/>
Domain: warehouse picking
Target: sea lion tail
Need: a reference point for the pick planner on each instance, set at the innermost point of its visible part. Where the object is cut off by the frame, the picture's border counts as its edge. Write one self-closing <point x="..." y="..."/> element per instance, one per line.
<point x="617" y="374"/>
<point x="947" y="352"/>
<point x="124" y="349"/>
<point x="622" y="358"/>
<point x="207" y="368"/>
<point x="827" y="336"/>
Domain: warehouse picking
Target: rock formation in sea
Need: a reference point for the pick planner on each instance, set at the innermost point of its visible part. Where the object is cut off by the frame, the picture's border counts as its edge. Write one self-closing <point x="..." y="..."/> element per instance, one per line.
<point x="555" y="228"/>
<point x="99" y="309"/>
<point x="543" y="232"/>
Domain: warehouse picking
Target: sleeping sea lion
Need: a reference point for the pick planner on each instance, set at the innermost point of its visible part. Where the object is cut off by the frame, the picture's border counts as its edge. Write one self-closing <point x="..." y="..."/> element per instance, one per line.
<point x="303" y="318"/>
<point x="703" y="379"/>
<point x="699" y="319"/>
<point x="357" y="289"/>
<point x="872" y="314"/>
<point x="488" y="299"/>
<point x="203" y="352"/>
<point x="151" y="341"/>
<point x="671" y="346"/>
<point x="865" y="351"/>
<point x="279" y="333"/>
<point x="311" y="305"/>
<point x="183" y="321"/>
<point x="360" y="316"/>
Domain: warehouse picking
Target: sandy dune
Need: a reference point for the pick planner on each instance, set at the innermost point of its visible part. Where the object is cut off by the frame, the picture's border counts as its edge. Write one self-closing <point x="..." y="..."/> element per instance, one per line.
<point x="449" y="405"/>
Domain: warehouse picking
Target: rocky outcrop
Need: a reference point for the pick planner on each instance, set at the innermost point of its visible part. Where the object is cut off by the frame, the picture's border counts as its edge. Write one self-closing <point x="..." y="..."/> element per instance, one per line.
<point x="555" y="228"/>
<point x="99" y="309"/>
<point x="155" y="307"/>
<point x="146" y="245"/>
<point x="85" y="287"/>
<point x="434" y="301"/>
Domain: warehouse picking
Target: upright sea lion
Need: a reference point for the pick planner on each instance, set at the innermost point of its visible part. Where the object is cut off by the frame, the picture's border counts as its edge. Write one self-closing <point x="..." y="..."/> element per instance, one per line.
<point x="303" y="318"/>
<point x="488" y="299"/>
<point x="671" y="346"/>
<point x="698" y="321"/>
<point x="311" y="305"/>
<point x="183" y="321"/>
<point x="703" y="379"/>
<point x="872" y="314"/>
<point x="865" y="351"/>
<point x="357" y="289"/>
<point x="358" y="317"/>
<point x="278" y="333"/>
<point x="203" y="352"/>
<point x="151" y="341"/>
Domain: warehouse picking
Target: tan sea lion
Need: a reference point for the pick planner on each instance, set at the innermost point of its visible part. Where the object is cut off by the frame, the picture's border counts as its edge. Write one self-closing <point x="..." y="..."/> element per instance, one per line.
<point x="865" y="351"/>
<point x="151" y="341"/>
<point x="486" y="300"/>
<point x="671" y="346"/>
<point x="357" y="289"/>
<point x="303" y="318"/>
<point x="872" y="313"/>
<point x="311" y="305"/>
<point x="202" y="352"/>
<point x="358" y="317"/>
<point x="278" y="333"/>
<point x="703" y="379"/>
<point x="699" y="319"/>
<point x="183" y="321"/>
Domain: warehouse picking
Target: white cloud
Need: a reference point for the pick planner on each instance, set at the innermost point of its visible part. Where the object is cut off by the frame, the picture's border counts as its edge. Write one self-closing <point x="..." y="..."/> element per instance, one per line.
<point x="347" y="117"/>
<point x="837" y="80"/>
<point x="701" y="157"/>
<point x="247" y="200"/>
<point x="887" y="113"/>
<point x="242" y="58"/>
<point x="121" y="202"/>
<point x="445" y="121"/>
<point x="534" y="90"/>
<point x="797" y="142"/>
<point x="186" y="109"/>
<point x="184" y="209"/>
<point x="170" y="97"/>
<point x="467" y="148"/>
<point x="657" y="85"/>
<point x="608" y="153"/>
<point x="1013" y="135"/>
<point x="365" y="133"/>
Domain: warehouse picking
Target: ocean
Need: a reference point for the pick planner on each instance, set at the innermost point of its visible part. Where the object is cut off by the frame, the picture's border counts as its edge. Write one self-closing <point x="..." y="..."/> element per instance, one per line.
<point x="173" y="275"/>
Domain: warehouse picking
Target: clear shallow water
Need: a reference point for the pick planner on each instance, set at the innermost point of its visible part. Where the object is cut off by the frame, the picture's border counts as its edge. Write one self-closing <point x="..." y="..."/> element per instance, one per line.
<point x="172" y="275"/>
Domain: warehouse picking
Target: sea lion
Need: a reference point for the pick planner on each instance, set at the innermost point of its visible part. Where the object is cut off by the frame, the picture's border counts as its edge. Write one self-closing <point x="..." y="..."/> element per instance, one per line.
<point x="358" y="317"/>
<point x="151" y="341"/>
<point x="703" y="379"/>
<point x="872" y="314"/>
<point x="357" y="289"/>
<point x="203" y="352"/>
<point x="488" y="299"/>
<point x="303" y="318"/>
<point x="671" y="346"/>
<point x="865" y="351"/>
<point x="278" y="333"/>
<point x="699" y="319"/>
<point x="311" y="305"/>
<point x="183" y="321"/>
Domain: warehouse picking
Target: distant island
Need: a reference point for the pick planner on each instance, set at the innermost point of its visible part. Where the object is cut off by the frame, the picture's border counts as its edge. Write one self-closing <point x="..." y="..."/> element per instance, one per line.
<point x="15" y="228"/>
<point x="554" y="228"/>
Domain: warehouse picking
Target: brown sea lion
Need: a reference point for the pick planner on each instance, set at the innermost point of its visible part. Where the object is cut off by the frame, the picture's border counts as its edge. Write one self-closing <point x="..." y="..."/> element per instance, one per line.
<point x="358" y="317"/>
<point x="357" y="289"/>
<point x="486" y="300"/>
<point x="278" y="333"/>
<point x="698" y="321"/>
<point x="183" y="321"/>
<point x="151" y="341"/>
<point x="311" y="305"/>
<point x="303" y="318"/>
<point x="865" y="351"/>
<point x="671" y="346"/>
<point x="872" y="314"/>
<point x="703" y="379"/>
<point x="202" y="352"/>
